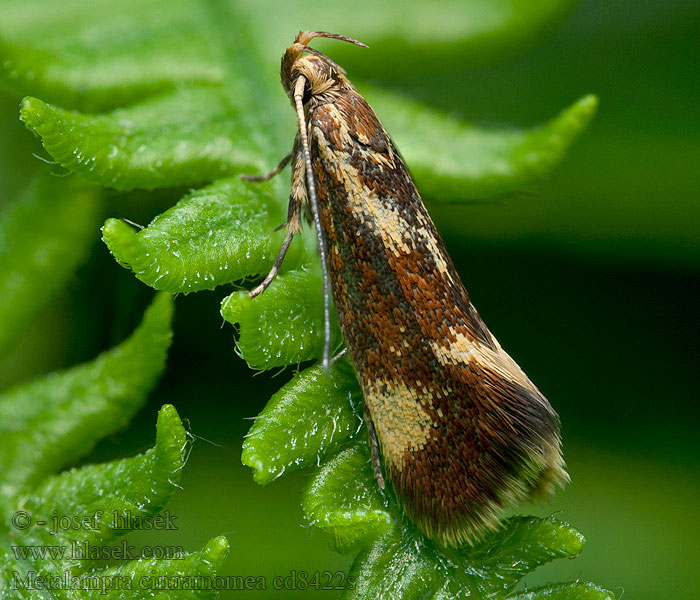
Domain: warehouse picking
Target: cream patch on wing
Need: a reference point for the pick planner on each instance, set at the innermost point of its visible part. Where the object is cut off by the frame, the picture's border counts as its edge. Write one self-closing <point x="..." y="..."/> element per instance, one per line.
<point x="462" y="351"/>
<point x="401" y="421"/>
<point x="379" y="215"/>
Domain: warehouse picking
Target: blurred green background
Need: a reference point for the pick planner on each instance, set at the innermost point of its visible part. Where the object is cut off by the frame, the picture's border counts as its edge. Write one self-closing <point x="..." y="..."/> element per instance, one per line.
<point x="590" y="281"/>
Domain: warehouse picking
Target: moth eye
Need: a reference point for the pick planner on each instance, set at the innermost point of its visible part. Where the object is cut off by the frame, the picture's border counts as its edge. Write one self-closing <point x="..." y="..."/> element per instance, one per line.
<point x="307" y="93"/>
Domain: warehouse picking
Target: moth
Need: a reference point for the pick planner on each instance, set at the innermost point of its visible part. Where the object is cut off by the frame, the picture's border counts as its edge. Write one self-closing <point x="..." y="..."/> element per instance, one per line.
<point x="454" y="424"/>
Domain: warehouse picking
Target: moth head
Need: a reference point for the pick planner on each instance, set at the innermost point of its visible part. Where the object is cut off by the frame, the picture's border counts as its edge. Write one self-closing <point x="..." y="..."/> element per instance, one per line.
<point x="320" y="73"/>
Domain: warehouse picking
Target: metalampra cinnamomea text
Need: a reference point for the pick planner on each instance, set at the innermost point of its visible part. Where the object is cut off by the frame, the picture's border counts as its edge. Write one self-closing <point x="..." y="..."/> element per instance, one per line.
<point x="454" y="424"/>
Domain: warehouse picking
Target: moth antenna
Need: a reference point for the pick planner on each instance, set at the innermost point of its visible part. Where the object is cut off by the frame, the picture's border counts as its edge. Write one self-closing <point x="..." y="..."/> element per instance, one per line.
<point x="313" y="200"/>
<point x="305" y="37"/>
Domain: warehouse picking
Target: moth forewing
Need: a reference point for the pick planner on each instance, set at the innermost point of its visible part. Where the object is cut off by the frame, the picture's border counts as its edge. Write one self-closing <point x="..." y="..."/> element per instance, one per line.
<point x="462" y="432"/>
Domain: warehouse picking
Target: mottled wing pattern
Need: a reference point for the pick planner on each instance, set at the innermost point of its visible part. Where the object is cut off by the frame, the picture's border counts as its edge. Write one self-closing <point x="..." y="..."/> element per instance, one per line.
<point x="462" y="430"/>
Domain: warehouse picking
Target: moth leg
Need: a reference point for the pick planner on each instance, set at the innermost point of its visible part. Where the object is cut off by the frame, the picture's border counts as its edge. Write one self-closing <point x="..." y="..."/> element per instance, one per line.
<point x="271" y="174"/>
<point x="340" y="354"/>
<point x="374" y="447"/>
<point x="276" y="267"/>
<point x="293" y="223"/>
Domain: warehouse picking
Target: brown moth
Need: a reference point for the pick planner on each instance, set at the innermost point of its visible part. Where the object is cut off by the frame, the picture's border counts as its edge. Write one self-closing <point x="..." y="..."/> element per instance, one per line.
<point x="462" y="432"/>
